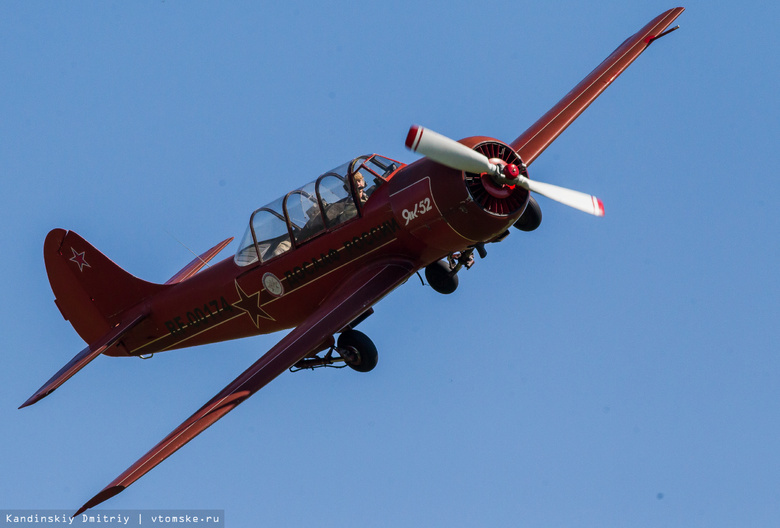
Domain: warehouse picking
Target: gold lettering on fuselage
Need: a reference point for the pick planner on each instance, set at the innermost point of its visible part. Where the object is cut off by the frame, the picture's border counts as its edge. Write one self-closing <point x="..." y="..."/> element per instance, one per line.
<point x="200" y="316"/>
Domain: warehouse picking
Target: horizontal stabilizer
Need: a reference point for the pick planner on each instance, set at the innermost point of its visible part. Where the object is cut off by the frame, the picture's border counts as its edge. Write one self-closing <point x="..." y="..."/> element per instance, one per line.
<point x="82" y="358"/>
<point x="195" y="266"/>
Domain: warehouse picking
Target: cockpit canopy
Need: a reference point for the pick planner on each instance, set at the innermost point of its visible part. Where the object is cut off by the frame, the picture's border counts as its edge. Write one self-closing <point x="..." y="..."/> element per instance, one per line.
<point x="332" y="199"/>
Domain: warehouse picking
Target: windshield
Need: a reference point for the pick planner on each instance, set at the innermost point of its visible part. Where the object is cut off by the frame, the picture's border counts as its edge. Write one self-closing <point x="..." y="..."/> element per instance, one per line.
<point x="332" y="199"/>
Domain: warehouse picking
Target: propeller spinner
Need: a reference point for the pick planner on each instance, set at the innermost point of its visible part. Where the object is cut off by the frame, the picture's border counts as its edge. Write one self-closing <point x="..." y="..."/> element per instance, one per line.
<point x="449" y="152"/>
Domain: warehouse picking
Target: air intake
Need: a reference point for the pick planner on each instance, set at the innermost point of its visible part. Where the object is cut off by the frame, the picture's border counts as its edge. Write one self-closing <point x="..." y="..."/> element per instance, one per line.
<point x="500" y="200"/>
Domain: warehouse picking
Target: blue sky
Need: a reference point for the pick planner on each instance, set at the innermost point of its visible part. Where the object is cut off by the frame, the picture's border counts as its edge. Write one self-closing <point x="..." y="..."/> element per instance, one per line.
<point x="597" y="372"/>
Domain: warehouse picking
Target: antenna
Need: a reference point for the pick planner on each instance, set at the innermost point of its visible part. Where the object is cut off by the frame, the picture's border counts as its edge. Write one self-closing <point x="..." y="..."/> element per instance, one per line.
<point x="187" y="248"/>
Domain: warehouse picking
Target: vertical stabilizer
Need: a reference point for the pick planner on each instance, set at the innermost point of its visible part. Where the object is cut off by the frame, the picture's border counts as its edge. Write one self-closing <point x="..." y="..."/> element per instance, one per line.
<point x="90" y="290"/>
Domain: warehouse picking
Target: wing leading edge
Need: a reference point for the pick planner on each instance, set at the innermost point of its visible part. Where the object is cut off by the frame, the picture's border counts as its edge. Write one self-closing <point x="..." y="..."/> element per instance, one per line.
<point x="539" y="136"/>
<point x="344" y="305"/>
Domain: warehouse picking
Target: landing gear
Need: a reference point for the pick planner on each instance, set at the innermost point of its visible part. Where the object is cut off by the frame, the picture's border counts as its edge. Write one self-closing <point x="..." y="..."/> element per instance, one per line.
<point x="353" y="349"/>
<point x="358" y="351"/>
<point x="441" y="277"/>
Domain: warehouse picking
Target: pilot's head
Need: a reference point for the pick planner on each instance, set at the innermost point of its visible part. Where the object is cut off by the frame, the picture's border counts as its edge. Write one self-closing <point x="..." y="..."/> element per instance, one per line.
<point x="360" y="183"/>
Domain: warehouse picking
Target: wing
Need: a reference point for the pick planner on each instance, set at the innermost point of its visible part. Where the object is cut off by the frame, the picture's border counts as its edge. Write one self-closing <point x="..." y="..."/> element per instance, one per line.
<point x="81" y="359"/>
<point x="539" y="136"/>
<point x="352" y="298"/>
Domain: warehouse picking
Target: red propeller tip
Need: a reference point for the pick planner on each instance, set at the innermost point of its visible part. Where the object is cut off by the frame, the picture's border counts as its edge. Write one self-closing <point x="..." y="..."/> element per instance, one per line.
<point x="598" y="205"/>
<point x="413" y="137"/>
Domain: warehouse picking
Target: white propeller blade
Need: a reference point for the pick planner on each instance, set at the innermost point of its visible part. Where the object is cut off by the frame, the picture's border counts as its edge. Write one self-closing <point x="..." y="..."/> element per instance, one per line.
<point x="449" y="152"/>
<point x="446" y="151"/>
<point x="580" y="201"/>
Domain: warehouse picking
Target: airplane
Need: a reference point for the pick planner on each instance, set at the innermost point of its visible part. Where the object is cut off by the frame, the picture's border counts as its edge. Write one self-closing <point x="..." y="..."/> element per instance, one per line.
<point x="320" y="257"/>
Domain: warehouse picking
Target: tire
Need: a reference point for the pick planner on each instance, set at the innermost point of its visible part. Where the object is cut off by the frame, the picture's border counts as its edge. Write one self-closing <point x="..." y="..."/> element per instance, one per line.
<point x="366" y="351"/>
<point x="531" y="217"/>
<point x="438" y="276"/>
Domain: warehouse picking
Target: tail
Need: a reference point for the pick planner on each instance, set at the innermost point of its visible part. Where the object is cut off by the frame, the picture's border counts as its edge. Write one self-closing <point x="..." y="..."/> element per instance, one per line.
<point x="101" y="300"/>
<point x="94" y="294"/>
<point x="90" y="290"/>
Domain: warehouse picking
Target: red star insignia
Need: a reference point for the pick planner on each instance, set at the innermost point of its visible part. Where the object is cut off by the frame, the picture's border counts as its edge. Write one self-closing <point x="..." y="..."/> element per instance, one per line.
<point x="251" y="305"/>
<point x="79" y="259"/>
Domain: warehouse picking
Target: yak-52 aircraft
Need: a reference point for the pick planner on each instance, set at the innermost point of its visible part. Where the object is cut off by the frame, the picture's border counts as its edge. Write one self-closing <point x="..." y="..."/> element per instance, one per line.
<point x="317" y="259"/>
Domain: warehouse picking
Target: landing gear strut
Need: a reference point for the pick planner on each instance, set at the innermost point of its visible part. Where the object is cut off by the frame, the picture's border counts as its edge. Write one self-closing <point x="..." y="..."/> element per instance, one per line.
<point x="443" y="275"/>
<point x="354" y="349"/>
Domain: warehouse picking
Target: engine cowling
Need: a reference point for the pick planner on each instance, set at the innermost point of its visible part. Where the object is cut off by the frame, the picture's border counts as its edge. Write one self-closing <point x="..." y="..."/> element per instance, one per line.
<point x="499" y="200"/>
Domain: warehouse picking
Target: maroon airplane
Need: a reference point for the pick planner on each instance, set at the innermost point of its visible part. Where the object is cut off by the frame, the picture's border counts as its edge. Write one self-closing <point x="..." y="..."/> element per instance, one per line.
<point x="317" y="259"/>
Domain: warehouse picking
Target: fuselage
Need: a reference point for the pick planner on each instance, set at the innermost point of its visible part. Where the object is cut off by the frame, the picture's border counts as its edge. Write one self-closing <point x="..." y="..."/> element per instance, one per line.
<point x="420" y="212"/>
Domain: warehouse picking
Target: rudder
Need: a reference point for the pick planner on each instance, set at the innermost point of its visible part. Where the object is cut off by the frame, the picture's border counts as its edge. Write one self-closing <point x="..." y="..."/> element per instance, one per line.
<point x="90" y="290"/>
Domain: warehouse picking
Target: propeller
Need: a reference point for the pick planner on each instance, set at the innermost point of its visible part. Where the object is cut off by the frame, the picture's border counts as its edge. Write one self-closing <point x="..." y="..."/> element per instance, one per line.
<point x="446" y="151"/>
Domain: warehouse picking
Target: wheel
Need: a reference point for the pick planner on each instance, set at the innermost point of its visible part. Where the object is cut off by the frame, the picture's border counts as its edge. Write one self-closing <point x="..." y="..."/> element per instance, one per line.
<point x="438" y="276"/>
<point x="531" y="217"/>
<point x="362" y="355"/>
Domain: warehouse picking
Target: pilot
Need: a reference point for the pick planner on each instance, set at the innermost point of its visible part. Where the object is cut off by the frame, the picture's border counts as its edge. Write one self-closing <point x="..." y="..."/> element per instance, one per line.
<point x="360" y="185"/>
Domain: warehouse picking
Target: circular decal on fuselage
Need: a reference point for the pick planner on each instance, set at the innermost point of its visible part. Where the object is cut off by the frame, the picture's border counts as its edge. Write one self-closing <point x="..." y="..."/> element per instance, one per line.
<point x="273" y="285"/>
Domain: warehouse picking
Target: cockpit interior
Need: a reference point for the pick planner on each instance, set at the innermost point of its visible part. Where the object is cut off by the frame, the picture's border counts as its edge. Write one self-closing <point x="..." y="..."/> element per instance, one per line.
<point x="334" y="198"/>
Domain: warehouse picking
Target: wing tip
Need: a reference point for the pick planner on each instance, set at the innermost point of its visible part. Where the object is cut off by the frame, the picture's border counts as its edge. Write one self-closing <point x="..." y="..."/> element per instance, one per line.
<point x="35" y="398"/>
<point x="27" y="403"/>
<point x="100" y="497"/>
